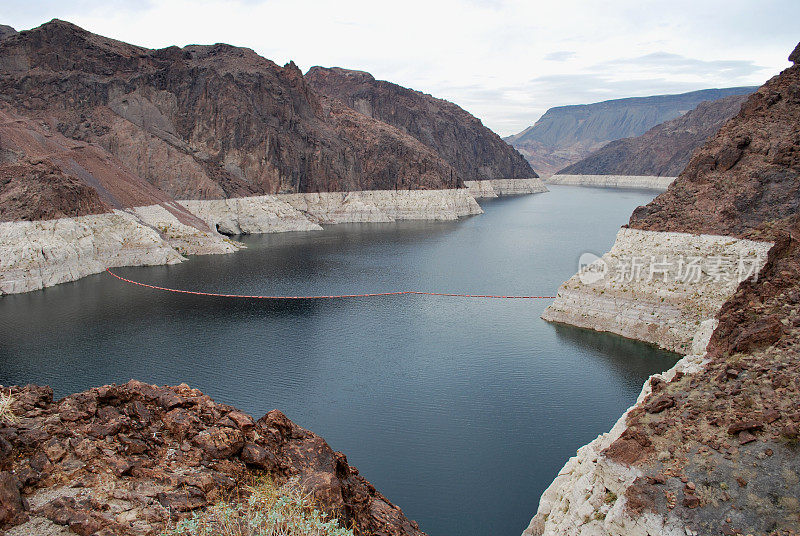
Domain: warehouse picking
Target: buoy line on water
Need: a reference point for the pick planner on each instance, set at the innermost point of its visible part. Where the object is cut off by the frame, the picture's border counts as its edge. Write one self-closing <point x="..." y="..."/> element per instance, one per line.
<point x="367" y="295"/>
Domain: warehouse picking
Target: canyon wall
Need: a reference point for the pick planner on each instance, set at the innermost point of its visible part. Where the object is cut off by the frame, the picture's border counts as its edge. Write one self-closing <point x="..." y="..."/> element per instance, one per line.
<point x="38" y="254"/>
<point x="474" y="151"/>
<point x="665" y="149"/>
<point x="657" y="287"/>
<point x="708" y="448"/>
<point x="113" y="154"/>
<point x="207" y="122"/>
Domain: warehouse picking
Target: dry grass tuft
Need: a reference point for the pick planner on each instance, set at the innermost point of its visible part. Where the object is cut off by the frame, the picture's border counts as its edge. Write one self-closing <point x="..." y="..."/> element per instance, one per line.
<point x="266" y="511"/>
<point x="6" y="413"/>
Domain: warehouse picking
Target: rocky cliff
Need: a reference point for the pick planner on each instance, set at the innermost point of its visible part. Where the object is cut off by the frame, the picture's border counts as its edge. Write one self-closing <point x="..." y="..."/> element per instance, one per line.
<point x="127" y="460"/>
<point x="566" y="134"/>
<point x="458" y="137"/>
<point x="206" y="122"/>
<point x="710" y="447"/>
<point x="6" y="31"/>
<point x="665" y="149"/>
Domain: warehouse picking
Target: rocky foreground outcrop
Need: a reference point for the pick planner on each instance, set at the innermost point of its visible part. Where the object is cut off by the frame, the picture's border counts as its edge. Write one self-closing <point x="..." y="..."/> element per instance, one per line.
<point x="710" y="447"/>
<point x="124" y="460"/>
<point x="665" y="149"/>
<point x="458" y="137"/>
<point x="566" y="134"/>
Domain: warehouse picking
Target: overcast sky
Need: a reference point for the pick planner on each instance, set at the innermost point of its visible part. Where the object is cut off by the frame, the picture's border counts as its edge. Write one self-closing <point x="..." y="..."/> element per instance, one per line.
<point x="504" y="61"/>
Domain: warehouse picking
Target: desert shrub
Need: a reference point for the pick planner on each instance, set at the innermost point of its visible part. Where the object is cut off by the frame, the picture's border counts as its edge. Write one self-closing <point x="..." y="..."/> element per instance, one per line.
<point x="265" y="510"/>
<point x="6" y="413"/>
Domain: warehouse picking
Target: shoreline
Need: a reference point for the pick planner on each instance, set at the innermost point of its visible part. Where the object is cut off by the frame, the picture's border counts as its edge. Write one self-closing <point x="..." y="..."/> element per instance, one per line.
<point x="38" y="254"/>
<point x="644" y="182"/>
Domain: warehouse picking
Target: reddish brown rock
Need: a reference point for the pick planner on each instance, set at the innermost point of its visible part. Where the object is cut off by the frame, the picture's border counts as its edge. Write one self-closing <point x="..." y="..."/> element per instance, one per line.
<point x="745" y="175"/>
<point x="736" y="418"/>
<point x="691" y="501"/>
<point x="12" y="510"/>
<point x="745" y="425"/>
<point x="219" y="442"/>
<point x="765" y="332"/>
<point x="166" y="452"/>
<point x="631" y="446"/>
<point x="660" y="404"/>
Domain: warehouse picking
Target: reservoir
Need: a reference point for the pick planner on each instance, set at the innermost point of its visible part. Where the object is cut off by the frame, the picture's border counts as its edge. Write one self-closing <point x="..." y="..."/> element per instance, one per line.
<point x="459" y="410"/>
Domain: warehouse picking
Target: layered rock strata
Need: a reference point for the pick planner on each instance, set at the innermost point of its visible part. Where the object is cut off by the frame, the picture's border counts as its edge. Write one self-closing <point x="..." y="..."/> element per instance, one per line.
<point x="207" y="122"/>
<point x="127" y="460"/>
<point x="90" y="126"/>
<point x="711" y="448"/>
<point x="661" y="288"/>
<point x="38" y="254"/>
<point x="646" y="182"/>
<point x="503" y="187"/>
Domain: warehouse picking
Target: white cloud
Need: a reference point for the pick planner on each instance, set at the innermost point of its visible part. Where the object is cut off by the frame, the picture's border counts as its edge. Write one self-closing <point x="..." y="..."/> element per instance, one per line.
<point x="506" y="61"/>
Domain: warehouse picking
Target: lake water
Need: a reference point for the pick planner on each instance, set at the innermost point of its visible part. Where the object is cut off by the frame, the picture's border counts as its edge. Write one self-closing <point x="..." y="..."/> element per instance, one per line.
<point x="461" y="411"/>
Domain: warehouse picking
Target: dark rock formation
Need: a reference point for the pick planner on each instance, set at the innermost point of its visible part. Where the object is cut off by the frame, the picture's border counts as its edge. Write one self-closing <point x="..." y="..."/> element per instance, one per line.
<point x="665" y="149"/>
<point x="565" y="134"/>
<point x="123" y="459"/>
<point x="43" y="192"/>
<point x="6" y="31"/>
<point x="457" y="136"/>
<point x="206" y="121"/>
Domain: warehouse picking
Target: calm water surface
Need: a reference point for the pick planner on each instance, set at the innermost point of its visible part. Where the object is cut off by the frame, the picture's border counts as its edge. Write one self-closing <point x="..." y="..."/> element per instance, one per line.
<point x="459" y="410"/>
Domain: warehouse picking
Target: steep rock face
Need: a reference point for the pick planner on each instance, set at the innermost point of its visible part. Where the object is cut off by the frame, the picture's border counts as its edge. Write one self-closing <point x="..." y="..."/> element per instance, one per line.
<point x="458" y="137"/>
<point x="43" y="192"/>
<point x="47" y="175"/>
<point x="6" y="31"/>
<point x="125" y="459"/>
<point x="206" y="122"/>
<point x="648" y="292"/>
<point x="711" y="449"/>
<point x="665" y="149"/>
<point x="745" y="176"/>
<point x="566" y="134"/>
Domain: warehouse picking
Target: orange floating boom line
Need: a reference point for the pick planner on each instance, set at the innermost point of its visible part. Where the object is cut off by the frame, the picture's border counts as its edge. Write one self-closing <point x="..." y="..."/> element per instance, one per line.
<point x="367" y="295"/>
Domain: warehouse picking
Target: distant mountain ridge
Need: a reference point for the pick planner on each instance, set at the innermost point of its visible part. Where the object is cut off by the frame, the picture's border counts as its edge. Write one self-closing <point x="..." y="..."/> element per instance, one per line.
<point x="460" y="138"/>
<point x="565" y="134"/>
<point x="665" y="149"/>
